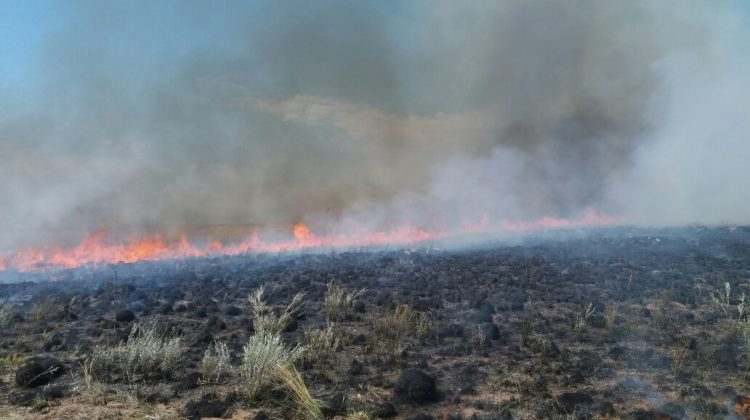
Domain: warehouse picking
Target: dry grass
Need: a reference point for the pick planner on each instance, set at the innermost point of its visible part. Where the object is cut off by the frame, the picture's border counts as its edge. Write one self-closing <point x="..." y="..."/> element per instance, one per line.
<point x="393" y="329"/>
<point x="263" y="354"/>
<point x="215" y="365"/>
<point x="304" y="405"/>
<point x="580" y="319"/>
<point x="147" y="353"/>
<point x="321" y="344"/>
<point x="265" y="321"/>
<point x="338" y="303"/>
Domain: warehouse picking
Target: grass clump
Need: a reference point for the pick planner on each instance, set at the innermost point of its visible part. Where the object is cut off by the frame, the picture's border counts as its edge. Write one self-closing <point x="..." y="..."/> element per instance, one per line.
<point x="5" y="314"/>
<point x="338" y="303"/>
<point x="580" y="319"/>
<point x="262" y="355"/>
<point x="305" y="406"/>
<point x="393" y="329"/>
<point x="321" y="344"/>
<point x="215" y="365"/>
<point x="147" y="353"/>
<point x="265" y="321"/>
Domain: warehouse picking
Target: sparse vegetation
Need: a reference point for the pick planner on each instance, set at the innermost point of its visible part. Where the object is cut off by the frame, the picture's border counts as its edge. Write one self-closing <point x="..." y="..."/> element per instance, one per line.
<point x="393" y="328"/>
<point x="5" y="314"/>
<point x="321" y="344"/>
<point x="338" y="303"/>
<point x="610" y="315"/>
<point x="422" y="326"/>
<point x="147" y="353"/>
<point x="581" y="317"/>
<point x="215" y="365"/>
<point x="490" y="342"/>
<point x="477" y="338"/>
<point x="265" y="321"/>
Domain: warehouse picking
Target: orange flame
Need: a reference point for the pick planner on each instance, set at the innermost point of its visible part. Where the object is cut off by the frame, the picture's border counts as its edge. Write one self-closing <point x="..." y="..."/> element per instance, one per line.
<point x="96" y="248"/>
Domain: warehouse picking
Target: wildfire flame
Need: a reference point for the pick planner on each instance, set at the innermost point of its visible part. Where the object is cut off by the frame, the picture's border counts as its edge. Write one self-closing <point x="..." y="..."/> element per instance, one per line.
<point x="97" y="248"/>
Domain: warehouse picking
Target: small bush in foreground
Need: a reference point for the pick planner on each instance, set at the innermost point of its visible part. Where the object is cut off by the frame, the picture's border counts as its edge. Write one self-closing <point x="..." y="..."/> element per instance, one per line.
<point x="262" y="355"/>
<point x="215" y="364"/>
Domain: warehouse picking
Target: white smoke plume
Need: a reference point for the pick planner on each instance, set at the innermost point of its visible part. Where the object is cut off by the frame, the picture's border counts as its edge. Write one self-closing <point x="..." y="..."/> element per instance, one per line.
<point x="198" y="115"/>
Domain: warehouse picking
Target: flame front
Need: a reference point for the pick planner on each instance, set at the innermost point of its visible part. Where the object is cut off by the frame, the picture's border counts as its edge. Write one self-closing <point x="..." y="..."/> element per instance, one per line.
<point x="97" y="248"/>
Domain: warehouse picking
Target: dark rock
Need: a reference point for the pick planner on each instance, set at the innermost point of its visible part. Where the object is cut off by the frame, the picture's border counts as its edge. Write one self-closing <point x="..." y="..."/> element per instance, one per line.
<point x="647" y="415"/>
<point x="415" y="386"/>
<point x="673" y="410"/>
<point x="604" y="408"/>
<point x="209" y="405"/>
<point x="232" y="310"/>
<point x="725" y="356"/>
<point x="452" y="330"/>
<point x="55" y="340"/>
<point x="166" y="308"/>
<point x="39" y="371"/>
<point x="359" y="307"/>
<point x="292" y="327"/>
<point x="125" y="315"/>
<point x="491" y="331"/>
<point x="357" y="368"/>
<point x="384" y="411"/>
<point x="568" y="401"/>
<point x="188" y="381"/>
<point x="336" y="405"/>
<point x="261" y="415"/>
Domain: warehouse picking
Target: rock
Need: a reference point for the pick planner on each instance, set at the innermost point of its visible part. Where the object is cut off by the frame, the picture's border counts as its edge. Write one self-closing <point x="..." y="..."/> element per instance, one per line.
<point x="491" y="331"/>
<point x="357" y="368"/>
<point x="208" y="406"/>
<point x="604" y="408"/>
<point x="125" y="315"/>
<point x="725" y="357"/>
<point x="415" y="386"/>
<point x="261" y="415"/>
<point x="673" y="410"/>
<point x="188" y="381"/>
<point x="648" y="415"/>
<point x="568" y="401"/>
<point x="384" y="411"/>
<point x="232" y="310"/>
<point x="137" y="306"/>
<point x="39" y="371"/>
<point x="335" y="405"/>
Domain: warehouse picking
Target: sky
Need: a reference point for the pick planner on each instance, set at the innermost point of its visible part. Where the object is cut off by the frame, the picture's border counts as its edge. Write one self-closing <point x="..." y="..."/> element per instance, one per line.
<point x="172" y="115"/>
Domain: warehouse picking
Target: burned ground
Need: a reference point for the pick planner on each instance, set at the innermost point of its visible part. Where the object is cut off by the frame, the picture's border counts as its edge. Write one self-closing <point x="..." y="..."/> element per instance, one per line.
<point x="621" y="323"/>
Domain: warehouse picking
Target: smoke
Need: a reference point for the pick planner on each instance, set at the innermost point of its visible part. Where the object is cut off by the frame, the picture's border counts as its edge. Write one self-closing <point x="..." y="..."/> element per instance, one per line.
<point x="177" y="116"/>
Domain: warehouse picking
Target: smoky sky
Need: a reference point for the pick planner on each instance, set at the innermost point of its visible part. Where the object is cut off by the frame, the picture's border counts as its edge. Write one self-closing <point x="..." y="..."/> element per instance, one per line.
<point x="146" y="116"/>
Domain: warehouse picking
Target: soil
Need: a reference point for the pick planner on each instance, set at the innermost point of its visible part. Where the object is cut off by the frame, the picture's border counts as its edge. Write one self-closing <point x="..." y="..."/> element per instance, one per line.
<point x="606" y="323"/>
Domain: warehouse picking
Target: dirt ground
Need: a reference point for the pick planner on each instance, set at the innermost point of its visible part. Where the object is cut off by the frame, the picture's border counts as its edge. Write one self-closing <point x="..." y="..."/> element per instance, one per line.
<point x="608" y="323"/>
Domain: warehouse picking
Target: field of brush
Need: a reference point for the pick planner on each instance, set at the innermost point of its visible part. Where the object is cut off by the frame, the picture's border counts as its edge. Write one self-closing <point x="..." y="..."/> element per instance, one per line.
<point x="608" y="323"/>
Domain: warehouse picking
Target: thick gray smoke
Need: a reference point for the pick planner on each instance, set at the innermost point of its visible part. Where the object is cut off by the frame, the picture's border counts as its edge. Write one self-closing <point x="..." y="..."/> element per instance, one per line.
<point x="188" y="115"/>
